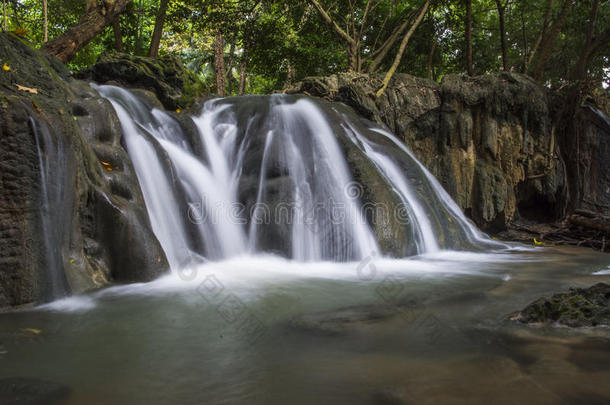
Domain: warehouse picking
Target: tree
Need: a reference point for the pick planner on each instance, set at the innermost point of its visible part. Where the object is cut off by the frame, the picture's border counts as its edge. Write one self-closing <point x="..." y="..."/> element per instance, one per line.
<point x="219" y="64"/>
<point x="155" y="42"/>
<point x="46" y="20"/>
<point x="402" y="48"/>
<point x="594" y="43"/>
<point x="360" y="28"/>
<point x="4" y="16"/>
<point x="501" y="9"/>
<point x="547" y="38"/>
<point x="468" y="30"/>
<point x="96" y="17"/>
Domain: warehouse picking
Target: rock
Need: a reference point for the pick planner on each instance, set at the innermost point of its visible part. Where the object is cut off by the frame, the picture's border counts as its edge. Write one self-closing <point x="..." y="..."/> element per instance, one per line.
<point x="390" y="396"/>
<point x="31" y="391"/>
<point x="72" y="216"/>
<point x="488" y="139"/>
<point x="575" y="308"/>
<point x="175" y="86"/>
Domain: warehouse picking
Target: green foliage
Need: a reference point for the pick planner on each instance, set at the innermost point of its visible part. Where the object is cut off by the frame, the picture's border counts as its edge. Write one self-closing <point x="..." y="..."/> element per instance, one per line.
<point x="282" y="41"/>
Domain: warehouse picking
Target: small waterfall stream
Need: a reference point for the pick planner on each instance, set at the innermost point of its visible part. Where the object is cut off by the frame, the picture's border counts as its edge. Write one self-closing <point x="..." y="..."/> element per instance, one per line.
<point x="269" y="174"/>
<point x="53" y="163"/>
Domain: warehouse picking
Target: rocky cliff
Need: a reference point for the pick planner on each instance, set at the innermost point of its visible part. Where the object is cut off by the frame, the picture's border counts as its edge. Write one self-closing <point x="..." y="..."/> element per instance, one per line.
<point x="490" y="140"/>
<point x="72" y="217"/>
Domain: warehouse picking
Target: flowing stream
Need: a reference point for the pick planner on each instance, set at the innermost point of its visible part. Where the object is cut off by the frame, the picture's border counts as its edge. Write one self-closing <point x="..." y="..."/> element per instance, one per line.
<point x="287" y="288"/>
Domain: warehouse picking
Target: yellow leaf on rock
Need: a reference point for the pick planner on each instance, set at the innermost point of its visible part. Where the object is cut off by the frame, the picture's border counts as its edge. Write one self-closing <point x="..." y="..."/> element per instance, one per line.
<point x="537" y="243"/>
<point x="28" y="89"/>
<point x="107" y="166"/>
<point x="32" y="331"/>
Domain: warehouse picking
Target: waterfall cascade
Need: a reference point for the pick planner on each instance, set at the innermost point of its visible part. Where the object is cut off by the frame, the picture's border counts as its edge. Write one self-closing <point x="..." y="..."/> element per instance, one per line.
<point x="270" y="174"/>
<point x="53" y="165"/>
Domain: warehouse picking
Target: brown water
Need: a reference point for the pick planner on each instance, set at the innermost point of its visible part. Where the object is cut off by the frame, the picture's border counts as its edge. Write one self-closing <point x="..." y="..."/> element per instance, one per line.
<point x="265" y="331"/>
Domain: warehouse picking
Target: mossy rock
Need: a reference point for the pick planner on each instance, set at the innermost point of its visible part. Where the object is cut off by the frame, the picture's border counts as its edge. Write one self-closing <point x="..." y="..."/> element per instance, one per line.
<point x="575" y="308"/>
<point x="175" y="86"/>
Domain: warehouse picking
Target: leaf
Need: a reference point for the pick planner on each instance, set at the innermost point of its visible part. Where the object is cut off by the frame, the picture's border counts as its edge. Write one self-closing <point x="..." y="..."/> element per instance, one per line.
<point x="107" y="166"/>
<point x="6" y="68"/>
<point x="537" y="243"/>
<point x="32" y="331"/>
<point x="28" y="89"/>
<point x="178" y="111"/>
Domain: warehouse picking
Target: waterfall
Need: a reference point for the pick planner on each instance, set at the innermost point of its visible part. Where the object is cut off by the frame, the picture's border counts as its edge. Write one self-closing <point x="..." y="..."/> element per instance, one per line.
<point x="53" y="163"/>
<point x="269" y="174"/>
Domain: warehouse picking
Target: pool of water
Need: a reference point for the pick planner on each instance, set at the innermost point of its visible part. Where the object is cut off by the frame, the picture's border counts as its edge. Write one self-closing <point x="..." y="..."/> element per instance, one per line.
<point x="263" y="330"/>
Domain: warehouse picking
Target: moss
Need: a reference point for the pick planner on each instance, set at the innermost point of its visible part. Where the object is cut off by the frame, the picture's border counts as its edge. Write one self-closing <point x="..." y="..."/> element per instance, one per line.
<point x="174" y="85"/>
<point x="577" y="307"/>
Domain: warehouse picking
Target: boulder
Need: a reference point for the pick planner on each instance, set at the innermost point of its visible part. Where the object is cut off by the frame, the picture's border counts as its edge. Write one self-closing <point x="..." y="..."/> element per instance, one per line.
<point x="175" y="86"/>
<point x="31" y="391"/>
<point x="575" y="308"/>
<point x="72" y="214"/>
<point x="488" y="139"/>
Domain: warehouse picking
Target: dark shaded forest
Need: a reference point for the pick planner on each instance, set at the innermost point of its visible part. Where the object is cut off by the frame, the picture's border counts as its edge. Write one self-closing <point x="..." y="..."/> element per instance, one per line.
<point x="260" y="46"/>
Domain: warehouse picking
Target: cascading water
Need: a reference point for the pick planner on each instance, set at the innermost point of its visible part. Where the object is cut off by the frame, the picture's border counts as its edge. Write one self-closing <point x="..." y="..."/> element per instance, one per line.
<point x="269" y="174"/>
<point x="53" y="167"/>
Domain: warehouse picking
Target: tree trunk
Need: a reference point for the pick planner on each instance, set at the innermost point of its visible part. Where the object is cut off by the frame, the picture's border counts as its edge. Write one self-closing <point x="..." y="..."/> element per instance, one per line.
<point x="546" y="45"/>
<point x="501" y="9"/>
<point x="352" y="45"/>
<point x="380" y="53"/>
<point x="524" y="34"/>
<point x="94" y="20"/>
<point x="579" y="72"/>
<point x="4" y="17"/>
<point x="469" y="38"/>
<point x="155" y="42"/>
<point x="242" y="77"/>
<point x="403" y="46"/>
<point x="46" y="21"/>
<point x="118" y="34"/>
<point x="230" y="69"/>
<point x="219" y="64"/>
<point x="545" y="24"/>
<point x="431" y="56"/>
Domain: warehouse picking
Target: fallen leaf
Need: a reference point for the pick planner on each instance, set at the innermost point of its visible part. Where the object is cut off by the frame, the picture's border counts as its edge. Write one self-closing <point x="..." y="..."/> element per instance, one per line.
<point x="537" y="243"/>
<point x="107" y="166"/>
<point x="6" y="68"/>
<point x="32" y="331"/>
<point x="28" y="89"/>
<point x="178" y="111"/>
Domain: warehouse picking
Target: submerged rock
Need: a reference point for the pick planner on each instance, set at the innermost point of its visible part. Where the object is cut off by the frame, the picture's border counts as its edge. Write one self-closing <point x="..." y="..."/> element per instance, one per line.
<point x="31" y="391"/>
<point x="575" y="308"/>
<point x="342" y="320"/>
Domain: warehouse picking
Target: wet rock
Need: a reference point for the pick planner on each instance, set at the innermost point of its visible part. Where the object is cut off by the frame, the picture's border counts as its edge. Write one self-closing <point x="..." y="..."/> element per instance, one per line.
<point x="31" y="391"/>
<point x="175" y="86"/>
<point x="575" y="308"/>
<point x="390" y="396"/>
<point x="53" y="242"/>
<point x="488" y="139"/>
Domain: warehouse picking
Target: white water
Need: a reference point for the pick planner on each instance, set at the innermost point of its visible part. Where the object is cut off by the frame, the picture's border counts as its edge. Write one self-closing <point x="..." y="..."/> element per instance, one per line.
<point x="286" y="150"/>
